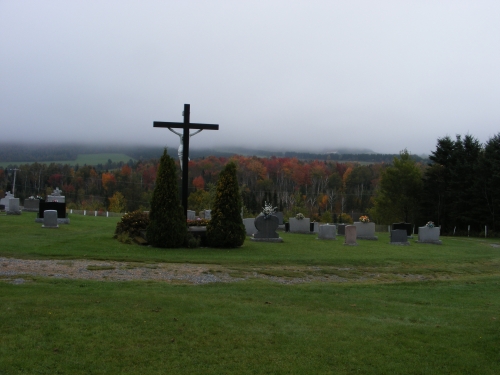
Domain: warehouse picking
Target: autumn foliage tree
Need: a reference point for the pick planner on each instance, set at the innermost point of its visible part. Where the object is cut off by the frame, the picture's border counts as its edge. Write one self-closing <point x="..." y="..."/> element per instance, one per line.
<point x="226" y="228"/>
<point x="167" y="227"/>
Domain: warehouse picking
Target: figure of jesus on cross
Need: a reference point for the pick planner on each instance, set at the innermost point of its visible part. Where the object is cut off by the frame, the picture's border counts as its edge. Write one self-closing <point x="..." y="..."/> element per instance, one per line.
<point x="181" y="146"/>
<point x="183" y="150"/>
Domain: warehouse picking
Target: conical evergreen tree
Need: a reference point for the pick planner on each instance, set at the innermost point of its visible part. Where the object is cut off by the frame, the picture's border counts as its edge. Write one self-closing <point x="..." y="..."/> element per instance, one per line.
<point x="226" y="228"/>
<point x="167" y="226"/>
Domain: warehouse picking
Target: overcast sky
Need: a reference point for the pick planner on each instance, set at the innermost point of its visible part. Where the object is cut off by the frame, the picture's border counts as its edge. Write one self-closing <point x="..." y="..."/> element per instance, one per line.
<point x="317" y="75"/>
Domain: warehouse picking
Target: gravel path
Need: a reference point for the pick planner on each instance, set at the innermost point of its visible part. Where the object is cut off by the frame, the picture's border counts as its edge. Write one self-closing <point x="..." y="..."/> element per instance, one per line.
<point x="18" y="271"/>
<point x="112" y="271"/>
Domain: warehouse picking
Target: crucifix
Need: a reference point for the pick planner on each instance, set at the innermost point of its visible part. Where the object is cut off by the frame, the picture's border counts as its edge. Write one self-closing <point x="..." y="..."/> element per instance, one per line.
<point x="184" y="146"/>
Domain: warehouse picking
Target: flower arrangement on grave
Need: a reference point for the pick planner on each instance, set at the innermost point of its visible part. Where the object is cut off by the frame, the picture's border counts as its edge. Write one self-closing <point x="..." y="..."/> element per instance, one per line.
<point x="364" y="219"/>
<point x="32" y="198"/>
<point x="268" y="210"/>
<point x="299" y="216"/>
<point x="430" y="224"/>
<point x="199" y="222"/>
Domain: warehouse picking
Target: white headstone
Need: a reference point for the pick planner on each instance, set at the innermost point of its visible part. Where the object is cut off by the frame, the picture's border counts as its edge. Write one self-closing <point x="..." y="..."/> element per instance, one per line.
<point x="429" y="235"/>
<point x="13" y="207"/>
<point x="208" y="214"/>
<point x="365" y="231"/>
<point x="300" y="226"/>
<point x="327" y="232"/>
<point x="191" y="215"/>
<point x="5" y="201"/>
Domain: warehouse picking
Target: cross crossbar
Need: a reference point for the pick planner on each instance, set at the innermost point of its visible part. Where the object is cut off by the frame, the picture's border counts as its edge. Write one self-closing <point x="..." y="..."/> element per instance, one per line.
<point x="185" y="126"/>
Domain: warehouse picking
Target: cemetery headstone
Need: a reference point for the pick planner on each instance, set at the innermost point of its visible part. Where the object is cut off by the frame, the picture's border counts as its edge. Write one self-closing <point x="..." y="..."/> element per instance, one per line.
<point x="13" y="207"/>
<point x="56" y="196"/>
<point x="365" y="231"/>
<point x="399" y="237"/>
<point x="50" y="219"/>
<point x="59" y="207"/>
<point x="208" y="214"/>
<point x="314" y="227"/>
<point x="201" y="214"/>
<point x="191" y="215"/>
<point x="250" y="226"/>
<point x="327" y="232"/>
<point x="5" y="201"/>
<point x="341" y="229"/>
<point x="266" y="229"/>
<point x="300" y="225"/>
<point x="350" y="235"/>
<point x="279" y="215"/>
<point x="406" y="226"/>
<point x="429" y="235"/>
<point x="31" y="205"/>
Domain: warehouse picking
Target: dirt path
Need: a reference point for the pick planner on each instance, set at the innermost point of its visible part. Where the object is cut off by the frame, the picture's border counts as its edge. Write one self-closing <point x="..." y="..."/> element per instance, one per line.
<point x="18" y="271"/>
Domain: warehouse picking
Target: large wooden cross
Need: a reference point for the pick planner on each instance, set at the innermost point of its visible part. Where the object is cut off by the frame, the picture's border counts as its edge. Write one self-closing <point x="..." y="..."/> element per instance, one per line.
<point x="185" y="126"/>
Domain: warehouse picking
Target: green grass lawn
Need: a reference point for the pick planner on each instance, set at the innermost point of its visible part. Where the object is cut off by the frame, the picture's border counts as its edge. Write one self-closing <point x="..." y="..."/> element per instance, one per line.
<point x="89" y="159"/>
<point x="447" y="324"/>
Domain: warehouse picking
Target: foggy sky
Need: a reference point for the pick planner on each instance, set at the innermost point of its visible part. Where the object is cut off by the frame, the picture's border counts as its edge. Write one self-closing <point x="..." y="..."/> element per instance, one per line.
<point x="315" y="75"/>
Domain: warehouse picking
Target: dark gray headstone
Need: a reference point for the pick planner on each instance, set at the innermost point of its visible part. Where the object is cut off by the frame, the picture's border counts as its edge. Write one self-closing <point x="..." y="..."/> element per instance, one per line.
<point x="279" y="215"/>
<point x="31" y="205"/>
<point x="50" y="219"/>
<point x="266" y="227"/>
<point x="399" y="236"/>
<point x="341" y="229"/>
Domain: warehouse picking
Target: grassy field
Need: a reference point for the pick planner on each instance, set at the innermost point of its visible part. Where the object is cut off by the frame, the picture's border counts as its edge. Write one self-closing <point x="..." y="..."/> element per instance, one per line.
<point x="442" y="319"/>
<point x="89" y="159"/>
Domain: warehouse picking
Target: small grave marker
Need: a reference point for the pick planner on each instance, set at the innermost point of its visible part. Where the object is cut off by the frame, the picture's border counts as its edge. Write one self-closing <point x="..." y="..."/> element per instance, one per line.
<point x="350" y="235"/>
<point x="50" y="219"/>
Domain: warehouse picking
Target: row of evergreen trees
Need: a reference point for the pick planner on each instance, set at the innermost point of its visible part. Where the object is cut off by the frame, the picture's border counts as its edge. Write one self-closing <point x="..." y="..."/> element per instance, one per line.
<point x="167" y="226"/>
<point x="462" y="186"/>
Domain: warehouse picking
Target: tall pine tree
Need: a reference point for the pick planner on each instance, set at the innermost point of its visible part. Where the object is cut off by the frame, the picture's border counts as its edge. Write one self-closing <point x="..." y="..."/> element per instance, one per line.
<point x="167" y="226"/>
<point x="226" y="228"/>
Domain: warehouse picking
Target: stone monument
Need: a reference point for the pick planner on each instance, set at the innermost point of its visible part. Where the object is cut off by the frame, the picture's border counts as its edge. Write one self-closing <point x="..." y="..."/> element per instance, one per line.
<point x="300" y="225"/>
<point x="350" y="235"/>
<point x="399" y="237"/>
<point x="429" y="235"/>
<point x="327" y="232"/>
<point x="56" y="196"/>
<point x="50" y="219"/>
<point x="13" y="207"/>
<point x="266" y="229"/>
<point x="5" y="201"/>
<point x="365" y="231"/>
<point x="250" y="226"/>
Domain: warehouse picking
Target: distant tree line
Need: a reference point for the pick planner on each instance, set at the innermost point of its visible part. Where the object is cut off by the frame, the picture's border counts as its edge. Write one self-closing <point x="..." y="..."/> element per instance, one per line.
<point x="456" y="188"/>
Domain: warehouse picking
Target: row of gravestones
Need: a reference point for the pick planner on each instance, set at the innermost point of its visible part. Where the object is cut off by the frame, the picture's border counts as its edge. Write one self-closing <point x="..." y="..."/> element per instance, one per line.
<point x="263" y="228"/>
